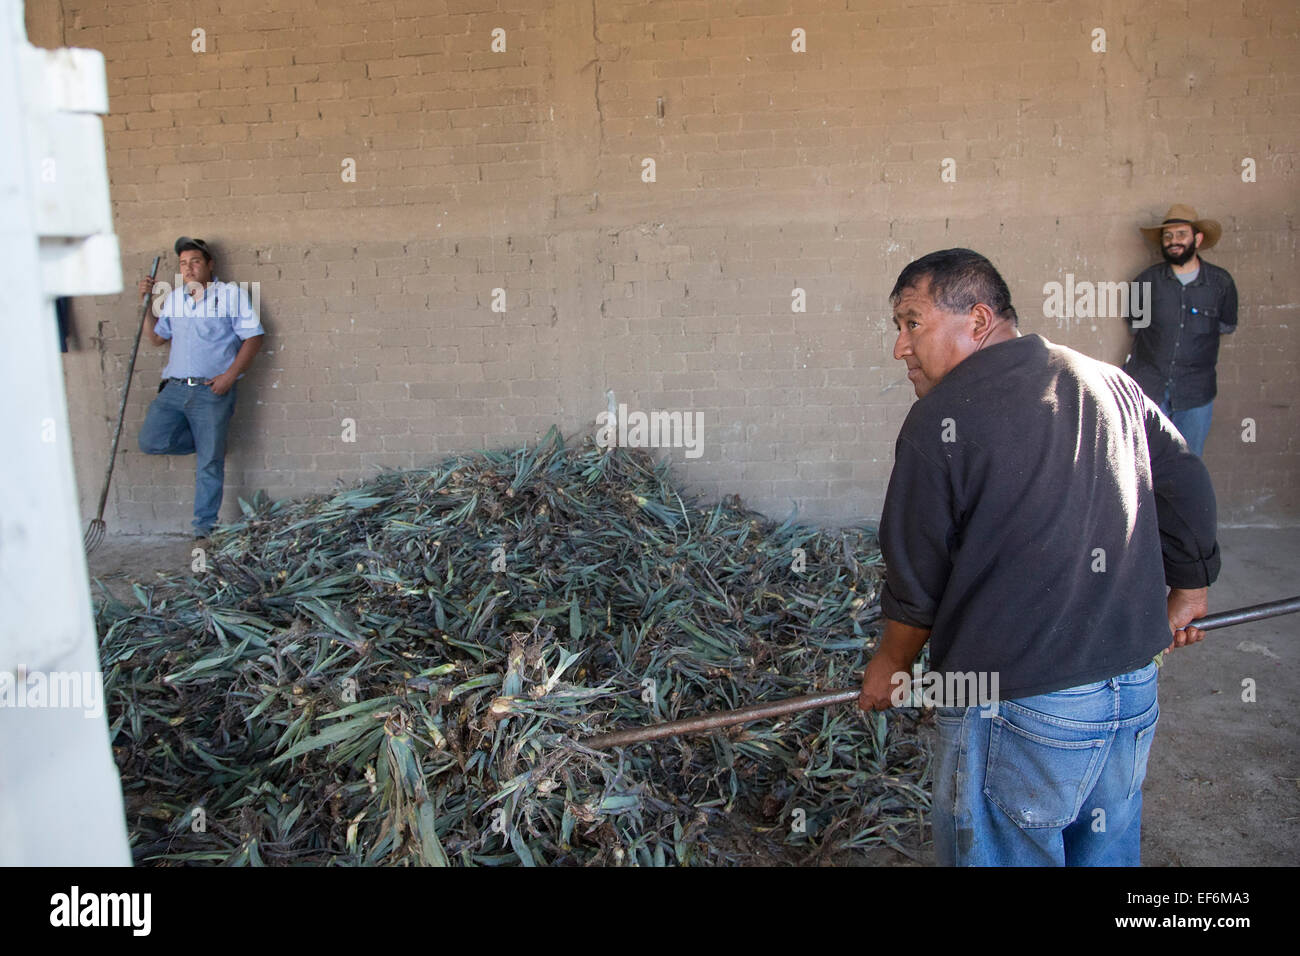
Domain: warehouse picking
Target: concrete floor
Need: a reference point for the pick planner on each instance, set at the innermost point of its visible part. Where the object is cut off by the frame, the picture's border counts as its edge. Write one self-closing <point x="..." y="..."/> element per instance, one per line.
<point x="1223" y="783"/>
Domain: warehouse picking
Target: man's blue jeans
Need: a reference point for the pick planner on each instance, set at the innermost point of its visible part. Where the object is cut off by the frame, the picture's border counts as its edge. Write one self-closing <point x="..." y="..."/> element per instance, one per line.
<point x="1051" y="780"/>
<point x="190" y="420"/>
<point x="1192" y="423"/>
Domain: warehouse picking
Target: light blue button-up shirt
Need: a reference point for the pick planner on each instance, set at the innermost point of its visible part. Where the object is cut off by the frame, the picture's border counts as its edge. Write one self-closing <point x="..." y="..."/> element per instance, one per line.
<point x="206" y="334"/>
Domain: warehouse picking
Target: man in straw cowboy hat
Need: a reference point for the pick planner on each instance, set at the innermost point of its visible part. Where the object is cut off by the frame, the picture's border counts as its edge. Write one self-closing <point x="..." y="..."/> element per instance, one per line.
<point x="1191" y="304"/>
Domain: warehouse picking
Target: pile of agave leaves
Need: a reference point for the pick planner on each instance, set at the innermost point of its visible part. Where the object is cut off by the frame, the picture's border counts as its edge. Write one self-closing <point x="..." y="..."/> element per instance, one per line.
<point x="403" y="673"/>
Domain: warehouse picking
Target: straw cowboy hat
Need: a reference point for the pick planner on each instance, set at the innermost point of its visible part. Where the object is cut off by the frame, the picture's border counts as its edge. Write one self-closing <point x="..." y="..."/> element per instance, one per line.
<point x="1181" y="213"/>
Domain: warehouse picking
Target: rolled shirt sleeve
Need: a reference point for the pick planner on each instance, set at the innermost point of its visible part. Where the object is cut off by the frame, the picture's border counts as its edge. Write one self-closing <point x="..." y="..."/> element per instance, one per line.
<point x="243" y="319"/>
<point x="917" y="534"/>
<point x="1186" y="509"/>
<point x="1228" y="314"/>
<point x="162" y="326"/>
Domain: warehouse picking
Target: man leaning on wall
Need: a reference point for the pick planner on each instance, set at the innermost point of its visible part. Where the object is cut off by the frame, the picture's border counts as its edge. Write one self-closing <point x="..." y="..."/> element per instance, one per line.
<point x="214" y="334"/>
<point x="1191" y="303"/>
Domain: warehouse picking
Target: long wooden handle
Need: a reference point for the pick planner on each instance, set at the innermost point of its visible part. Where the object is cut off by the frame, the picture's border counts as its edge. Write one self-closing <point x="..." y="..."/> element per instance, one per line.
<point x="794" y="705"/>
<point x="126" y="390"/>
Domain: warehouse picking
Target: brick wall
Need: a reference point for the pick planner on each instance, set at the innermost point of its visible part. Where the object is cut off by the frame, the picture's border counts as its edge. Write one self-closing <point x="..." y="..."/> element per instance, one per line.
<point x="522" y="170"/>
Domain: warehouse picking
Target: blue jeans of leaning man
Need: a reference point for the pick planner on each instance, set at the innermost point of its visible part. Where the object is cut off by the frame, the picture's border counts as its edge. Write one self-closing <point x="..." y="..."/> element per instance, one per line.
<point x="1192" y="423"/>
<point x="1050" y="780"/>
<point x="191" y="420"/>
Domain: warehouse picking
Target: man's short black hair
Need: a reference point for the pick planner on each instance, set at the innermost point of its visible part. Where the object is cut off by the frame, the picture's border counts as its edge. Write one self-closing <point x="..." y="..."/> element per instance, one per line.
<point x="959" y="280"/>
<point x="185" y="242"/>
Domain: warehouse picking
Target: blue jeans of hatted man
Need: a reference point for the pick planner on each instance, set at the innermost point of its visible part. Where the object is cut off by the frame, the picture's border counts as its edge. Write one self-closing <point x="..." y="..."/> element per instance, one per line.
<point x="1192" y="423"/>
<point x="1050" y="780"/>
<point x="191" y="420"/>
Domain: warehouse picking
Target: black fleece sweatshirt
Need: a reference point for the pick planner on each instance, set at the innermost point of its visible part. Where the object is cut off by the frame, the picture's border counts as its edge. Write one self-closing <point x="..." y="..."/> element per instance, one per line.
<point x="1038" y="507"/>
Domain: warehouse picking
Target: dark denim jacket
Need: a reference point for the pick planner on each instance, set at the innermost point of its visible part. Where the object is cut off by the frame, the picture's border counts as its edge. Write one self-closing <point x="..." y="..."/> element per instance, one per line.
<point x="1177" y="352"/>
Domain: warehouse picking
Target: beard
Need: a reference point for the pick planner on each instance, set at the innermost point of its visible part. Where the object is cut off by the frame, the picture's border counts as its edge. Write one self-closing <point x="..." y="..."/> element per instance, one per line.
<point x="1183" y="257"/>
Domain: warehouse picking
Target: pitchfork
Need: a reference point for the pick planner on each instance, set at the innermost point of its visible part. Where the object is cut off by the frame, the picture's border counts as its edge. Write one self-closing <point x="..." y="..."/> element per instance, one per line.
<point x="95" y="531"/>
<point x="793" y="705"/>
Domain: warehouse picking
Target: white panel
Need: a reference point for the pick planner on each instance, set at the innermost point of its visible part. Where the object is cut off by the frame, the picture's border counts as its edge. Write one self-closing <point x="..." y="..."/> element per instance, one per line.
<point x="60" y="796"/>
<point x="69" y="174"/>
<point x="81" y="266"/>
<point x="70" y="79"/>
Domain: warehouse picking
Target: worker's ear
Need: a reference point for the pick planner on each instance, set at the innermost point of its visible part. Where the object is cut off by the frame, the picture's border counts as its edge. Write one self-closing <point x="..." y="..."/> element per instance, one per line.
<point x="982" y="321"/>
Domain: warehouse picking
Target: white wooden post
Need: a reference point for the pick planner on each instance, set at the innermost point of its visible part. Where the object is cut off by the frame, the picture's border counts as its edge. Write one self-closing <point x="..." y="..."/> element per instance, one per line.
<point x="60" y="795"/>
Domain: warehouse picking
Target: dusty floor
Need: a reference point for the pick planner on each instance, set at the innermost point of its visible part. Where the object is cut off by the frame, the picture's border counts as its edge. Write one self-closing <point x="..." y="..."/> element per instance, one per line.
<point x="1223" y="785"/>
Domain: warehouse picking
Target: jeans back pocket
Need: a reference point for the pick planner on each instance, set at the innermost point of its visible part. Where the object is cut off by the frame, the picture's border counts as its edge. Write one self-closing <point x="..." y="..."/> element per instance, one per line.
<point x="1039" y="781"/>
<point x="1142" y="752"/>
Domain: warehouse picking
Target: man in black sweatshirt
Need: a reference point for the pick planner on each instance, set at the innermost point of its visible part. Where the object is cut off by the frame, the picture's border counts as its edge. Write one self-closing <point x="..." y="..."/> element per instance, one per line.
<point x="1047" y="529"/>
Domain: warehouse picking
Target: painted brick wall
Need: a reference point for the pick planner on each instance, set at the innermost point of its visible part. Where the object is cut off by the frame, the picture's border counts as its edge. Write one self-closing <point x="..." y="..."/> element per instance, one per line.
<point x="522" y="171"/>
